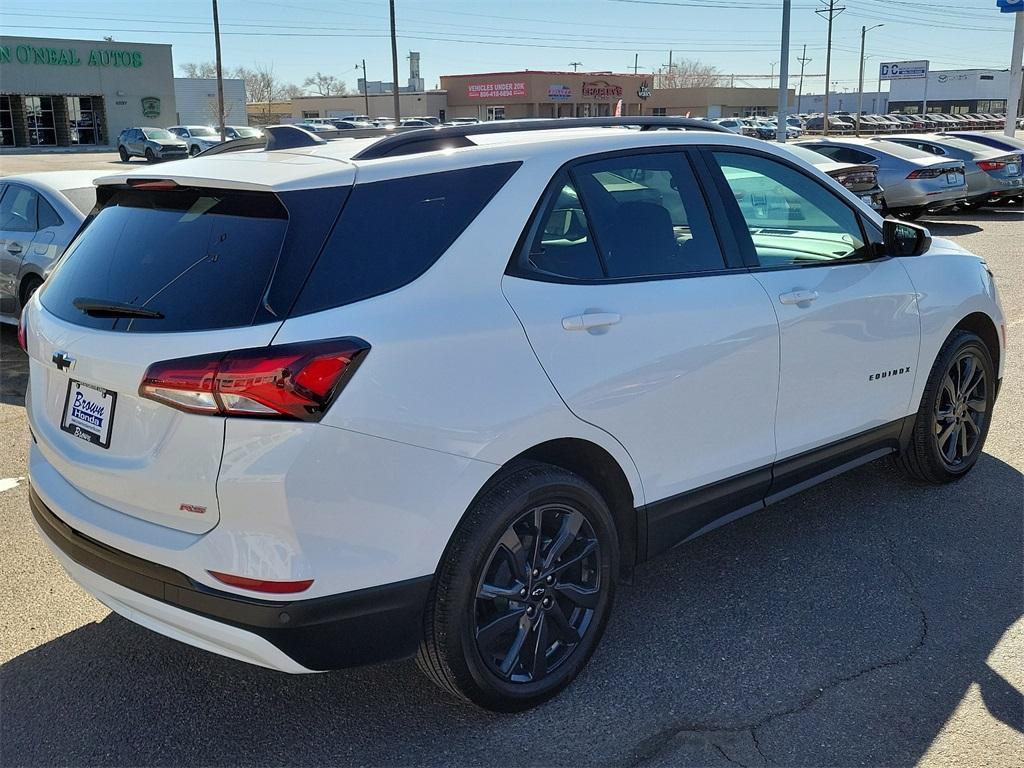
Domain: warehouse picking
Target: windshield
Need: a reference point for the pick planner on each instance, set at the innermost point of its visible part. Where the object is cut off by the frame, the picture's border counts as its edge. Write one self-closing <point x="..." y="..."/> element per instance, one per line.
<point x="158" y="134"/>
<point x="246" y="133"/>
<point x="202" y="130"/>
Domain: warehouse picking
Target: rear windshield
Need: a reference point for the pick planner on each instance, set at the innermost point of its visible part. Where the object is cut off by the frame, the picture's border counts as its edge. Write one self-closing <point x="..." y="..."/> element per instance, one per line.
<point x="83" y="198"/>
<point x="900" y="150"/>
<point x="391" y="232"/>
<point x="202" y="258"/>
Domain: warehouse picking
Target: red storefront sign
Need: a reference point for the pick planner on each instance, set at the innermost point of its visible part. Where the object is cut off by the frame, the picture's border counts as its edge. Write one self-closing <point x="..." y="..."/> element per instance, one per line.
<point x="602" y="89"/>
<point x="495" y="90"/>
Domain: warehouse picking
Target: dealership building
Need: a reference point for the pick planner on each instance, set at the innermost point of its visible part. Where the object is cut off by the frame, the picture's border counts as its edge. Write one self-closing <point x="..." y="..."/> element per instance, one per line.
<point x="62" y="93"/>
<point x="954" y="91"/>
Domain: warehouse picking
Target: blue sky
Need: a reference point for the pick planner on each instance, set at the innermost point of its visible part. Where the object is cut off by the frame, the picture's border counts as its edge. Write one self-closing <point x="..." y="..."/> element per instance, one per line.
<point x="737" y="36"/>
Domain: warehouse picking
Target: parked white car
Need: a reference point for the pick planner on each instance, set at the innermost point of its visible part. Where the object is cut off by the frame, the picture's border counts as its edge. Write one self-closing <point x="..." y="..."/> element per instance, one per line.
<point x="198" y="137"/>
<point x="435" y="393"/>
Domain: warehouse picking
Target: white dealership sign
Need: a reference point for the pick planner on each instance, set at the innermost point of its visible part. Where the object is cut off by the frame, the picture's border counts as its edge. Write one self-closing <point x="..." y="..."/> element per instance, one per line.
<point x="902" y="70"/>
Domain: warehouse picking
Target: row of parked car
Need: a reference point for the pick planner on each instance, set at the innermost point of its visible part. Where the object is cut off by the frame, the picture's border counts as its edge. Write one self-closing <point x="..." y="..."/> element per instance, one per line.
<point x="845" y="123"/>
<point x="176" y="142"/>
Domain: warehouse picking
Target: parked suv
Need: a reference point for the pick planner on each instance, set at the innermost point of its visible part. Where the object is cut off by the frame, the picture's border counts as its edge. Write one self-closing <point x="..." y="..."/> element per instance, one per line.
<point x="198" y="138"/>
<point x="154" y="144"/>
<point x="437" y="393"/>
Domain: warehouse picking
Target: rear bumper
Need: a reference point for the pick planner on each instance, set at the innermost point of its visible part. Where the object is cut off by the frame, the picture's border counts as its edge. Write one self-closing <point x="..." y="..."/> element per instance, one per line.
<point x="361" y="627"/>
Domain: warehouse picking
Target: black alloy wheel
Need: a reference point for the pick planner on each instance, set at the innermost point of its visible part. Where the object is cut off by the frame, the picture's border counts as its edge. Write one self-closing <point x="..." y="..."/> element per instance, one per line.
<point x="961" y="409"/>
<point x="123" y="154"/>
<point x="536" y="597"/>
<point x="523" y="591"/>
<point x="952" y="421"/>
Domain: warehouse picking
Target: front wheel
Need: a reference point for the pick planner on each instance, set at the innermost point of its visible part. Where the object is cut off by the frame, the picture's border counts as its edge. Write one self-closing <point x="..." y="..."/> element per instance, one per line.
<point x="194" y="150"/>
<point x="523" y="591"/>
<point x="952" y="422"/>
<point x="150" y="157"/>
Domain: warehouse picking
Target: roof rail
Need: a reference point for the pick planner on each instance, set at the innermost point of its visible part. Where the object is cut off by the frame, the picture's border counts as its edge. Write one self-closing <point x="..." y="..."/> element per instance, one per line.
<point x="453" y="136"/>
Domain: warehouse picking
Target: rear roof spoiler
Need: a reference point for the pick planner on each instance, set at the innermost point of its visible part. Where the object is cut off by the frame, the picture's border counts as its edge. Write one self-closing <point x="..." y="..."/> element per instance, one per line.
<point x="405" y="141"/>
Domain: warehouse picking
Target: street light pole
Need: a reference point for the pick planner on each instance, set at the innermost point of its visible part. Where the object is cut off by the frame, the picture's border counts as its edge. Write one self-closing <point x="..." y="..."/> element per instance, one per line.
<point x="783" y="112"/>
<point x="1013" y="100"/>
<point x="860" y="85"/>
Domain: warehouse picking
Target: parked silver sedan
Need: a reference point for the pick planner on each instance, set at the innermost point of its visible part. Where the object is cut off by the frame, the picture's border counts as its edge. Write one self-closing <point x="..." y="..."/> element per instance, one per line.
<point x="914" y="181"/>
<point x="991" y="173"/>
<point x="40" y="213"/>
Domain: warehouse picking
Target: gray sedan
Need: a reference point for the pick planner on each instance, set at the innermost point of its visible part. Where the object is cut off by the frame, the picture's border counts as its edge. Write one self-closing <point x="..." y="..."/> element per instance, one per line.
<point x="914" y="181"/>
<point x="151" y="143"/>
<point x="992" y="173"/>
<point x="40" y="213"/>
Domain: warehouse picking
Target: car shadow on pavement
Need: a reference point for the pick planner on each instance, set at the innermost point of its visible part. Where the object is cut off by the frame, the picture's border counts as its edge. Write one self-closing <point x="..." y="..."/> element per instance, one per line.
<point x="951" y="228"/>
<point x="840" y="627"/>
<point x="13" y="367"/>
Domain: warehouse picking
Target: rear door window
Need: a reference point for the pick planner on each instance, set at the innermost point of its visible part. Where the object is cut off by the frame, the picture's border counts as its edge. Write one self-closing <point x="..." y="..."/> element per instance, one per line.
<point x="202" y="258"/>
<point x="390" y="232"/>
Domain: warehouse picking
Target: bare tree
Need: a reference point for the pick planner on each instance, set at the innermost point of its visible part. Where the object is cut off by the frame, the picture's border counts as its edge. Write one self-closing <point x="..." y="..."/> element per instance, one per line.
<point x="688" y="73"/>
<point x="204" y="69"/>
<point x="325" y="85"/>
<point x="290" y="91"/>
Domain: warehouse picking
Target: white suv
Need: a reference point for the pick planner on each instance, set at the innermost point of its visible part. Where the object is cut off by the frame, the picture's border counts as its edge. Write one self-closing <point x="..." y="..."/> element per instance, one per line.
<point x="332" y="403"/>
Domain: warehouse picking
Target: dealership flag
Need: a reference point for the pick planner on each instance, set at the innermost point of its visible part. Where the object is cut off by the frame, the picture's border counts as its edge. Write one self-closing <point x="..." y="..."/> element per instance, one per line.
<point x="618" y="108"/>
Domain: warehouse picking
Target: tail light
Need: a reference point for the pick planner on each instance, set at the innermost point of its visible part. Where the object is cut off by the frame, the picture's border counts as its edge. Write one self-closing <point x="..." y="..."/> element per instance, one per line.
<point x="23" y="331"/>
<point x="998" y="163"/>
<point x="296" y="381"/>
<point x="932" y="173"/>
<point x="856" y="178"/>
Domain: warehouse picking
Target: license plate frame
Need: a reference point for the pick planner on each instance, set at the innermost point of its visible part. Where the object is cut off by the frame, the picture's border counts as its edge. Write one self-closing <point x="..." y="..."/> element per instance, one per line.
<point x="82" y="422"/>
<point x="952" y="178"/>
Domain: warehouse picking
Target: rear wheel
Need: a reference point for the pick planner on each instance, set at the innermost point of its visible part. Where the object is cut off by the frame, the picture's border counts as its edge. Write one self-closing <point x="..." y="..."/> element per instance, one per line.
<point x="910" y="214"/>
<point x="523" y="593"/>
<point x="123" y="153"/>
<point x="28" y="287"/>
<point x="956" y="409"/>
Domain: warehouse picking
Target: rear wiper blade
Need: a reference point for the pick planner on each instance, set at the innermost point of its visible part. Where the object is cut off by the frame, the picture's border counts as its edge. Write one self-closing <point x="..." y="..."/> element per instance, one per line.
<point x="107" y="308"/>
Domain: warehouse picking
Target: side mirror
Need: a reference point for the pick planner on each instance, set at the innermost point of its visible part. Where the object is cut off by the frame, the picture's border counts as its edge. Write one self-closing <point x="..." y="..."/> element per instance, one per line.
<point x="901" y="238"/>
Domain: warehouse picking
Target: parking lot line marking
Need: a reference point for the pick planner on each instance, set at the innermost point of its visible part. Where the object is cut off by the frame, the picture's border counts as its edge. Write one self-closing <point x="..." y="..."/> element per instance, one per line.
<point x="7" y="483"/>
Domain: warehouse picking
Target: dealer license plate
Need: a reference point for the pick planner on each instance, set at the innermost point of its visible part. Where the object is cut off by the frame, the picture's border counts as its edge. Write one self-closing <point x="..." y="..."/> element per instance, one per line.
<point x="89" y="413"/>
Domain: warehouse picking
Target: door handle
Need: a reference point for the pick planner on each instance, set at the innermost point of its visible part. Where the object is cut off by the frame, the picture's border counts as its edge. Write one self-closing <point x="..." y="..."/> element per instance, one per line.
<point x="14" y="248"/>
<point x="798" y="297"/>
<point x="590" y="320"/>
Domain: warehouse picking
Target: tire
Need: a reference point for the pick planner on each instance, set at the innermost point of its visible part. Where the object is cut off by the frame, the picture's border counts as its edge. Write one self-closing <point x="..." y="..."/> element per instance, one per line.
<point x="193" y="150"/>
<point x="937" y="451"/>
<point x="150" y="157"/>
<point x="489" y="607"/>
<point x="124" y="154"/>
<point x="29" y="286"/>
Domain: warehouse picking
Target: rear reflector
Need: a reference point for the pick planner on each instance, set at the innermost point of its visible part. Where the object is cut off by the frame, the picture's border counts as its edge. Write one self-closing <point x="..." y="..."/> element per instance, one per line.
<point x="262" y="585"/>
<point x="297" y="381"/>
<point x="23" y="330"/>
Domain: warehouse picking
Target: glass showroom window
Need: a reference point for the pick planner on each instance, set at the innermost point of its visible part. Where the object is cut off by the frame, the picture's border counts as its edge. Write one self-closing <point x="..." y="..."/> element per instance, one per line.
<point x="6" y="122"/>
<point x="42" y="129"/>
<point x="82" y="125"/>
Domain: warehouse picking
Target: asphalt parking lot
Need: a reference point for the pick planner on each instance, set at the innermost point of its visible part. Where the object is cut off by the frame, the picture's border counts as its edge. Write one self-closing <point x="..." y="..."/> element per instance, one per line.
<point x="865" y="622"/>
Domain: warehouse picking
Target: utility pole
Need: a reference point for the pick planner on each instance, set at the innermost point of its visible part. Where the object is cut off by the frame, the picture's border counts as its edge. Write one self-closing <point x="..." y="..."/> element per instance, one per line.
<point x="575" y="65"/>
<point x="636" y="62"/>
<point x="860" y="84"/>
<point x="394" y="64"/>
<point x="220" y="77"/>
<point x="366" y="90"/>
<point x="771" y="77"/>
<point x="783" y="113"/>
<point x="830" y="14"/>
<point x="804" y="61"/>
<point x="1013" y="100"/>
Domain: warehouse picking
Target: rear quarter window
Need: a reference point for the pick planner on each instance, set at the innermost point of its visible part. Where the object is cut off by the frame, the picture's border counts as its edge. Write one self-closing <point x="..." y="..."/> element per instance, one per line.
<point x="390" y="232"/>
